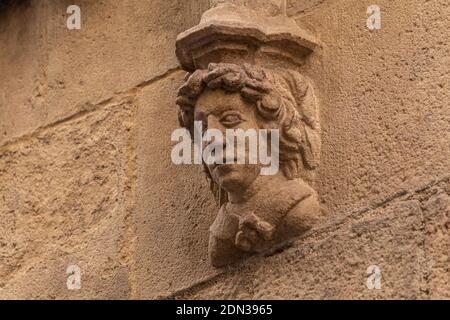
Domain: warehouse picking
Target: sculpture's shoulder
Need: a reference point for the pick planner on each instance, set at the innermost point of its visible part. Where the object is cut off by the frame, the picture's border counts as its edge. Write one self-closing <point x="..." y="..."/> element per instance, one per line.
<point x="306" y="213"/>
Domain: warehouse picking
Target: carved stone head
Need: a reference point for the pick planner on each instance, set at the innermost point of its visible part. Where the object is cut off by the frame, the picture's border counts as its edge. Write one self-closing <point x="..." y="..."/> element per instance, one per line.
<point x="257" y="212"/>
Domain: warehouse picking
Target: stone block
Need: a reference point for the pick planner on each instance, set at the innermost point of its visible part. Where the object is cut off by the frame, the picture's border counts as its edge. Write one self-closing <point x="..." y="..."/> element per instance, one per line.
<point x="66" y="195"/>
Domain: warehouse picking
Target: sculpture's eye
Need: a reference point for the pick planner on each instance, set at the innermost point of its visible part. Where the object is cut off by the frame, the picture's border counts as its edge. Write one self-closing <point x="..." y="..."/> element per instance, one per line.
<point x="231" y="119"/>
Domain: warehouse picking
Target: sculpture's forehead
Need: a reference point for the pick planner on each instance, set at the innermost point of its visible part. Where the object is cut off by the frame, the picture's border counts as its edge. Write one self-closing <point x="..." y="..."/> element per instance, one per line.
<point x="217" y="101"/>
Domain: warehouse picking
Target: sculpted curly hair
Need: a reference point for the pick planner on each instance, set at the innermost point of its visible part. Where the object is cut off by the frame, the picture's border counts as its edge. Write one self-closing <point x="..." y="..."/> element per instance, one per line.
<point x="283" y="99"/>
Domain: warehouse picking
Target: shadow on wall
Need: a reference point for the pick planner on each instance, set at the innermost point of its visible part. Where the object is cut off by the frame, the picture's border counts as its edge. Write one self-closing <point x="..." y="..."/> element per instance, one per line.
<point x="8" y="4"/>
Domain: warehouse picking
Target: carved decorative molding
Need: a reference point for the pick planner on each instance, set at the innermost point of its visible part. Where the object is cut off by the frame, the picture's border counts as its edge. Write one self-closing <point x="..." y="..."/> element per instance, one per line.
<point x="247" y="64"/>
<point x="229" y="33"/>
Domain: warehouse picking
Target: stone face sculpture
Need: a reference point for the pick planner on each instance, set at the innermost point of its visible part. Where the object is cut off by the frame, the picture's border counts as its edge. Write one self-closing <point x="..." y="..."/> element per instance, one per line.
<point x="257" y="212"/>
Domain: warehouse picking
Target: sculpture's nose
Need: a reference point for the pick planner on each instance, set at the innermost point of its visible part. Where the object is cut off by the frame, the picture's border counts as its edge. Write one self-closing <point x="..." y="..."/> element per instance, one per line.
<point x="214" y="123"/>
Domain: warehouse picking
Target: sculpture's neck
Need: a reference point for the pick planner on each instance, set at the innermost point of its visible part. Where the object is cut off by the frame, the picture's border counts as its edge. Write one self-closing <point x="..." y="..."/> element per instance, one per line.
<point x="270" y="197"/>
<point x="263" y="185"/>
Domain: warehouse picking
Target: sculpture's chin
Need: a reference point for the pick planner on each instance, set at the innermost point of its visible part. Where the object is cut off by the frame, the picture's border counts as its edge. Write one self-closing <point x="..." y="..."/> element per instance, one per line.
<point x="231" y="177"/>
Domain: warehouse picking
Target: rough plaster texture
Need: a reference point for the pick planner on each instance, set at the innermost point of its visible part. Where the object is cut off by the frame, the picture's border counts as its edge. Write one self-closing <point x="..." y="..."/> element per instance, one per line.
<point x="86" y="177"/>
<point x="45" y="227"/>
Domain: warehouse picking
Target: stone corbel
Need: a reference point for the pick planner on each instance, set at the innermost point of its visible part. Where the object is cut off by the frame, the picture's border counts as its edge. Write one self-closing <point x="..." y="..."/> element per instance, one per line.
<point x="234" y="34"/>
<point x="243" y="62"/>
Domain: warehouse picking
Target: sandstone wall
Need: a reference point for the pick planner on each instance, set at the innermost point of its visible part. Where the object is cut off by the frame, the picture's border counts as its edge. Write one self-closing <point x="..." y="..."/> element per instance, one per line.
<point x="86" y="177"/>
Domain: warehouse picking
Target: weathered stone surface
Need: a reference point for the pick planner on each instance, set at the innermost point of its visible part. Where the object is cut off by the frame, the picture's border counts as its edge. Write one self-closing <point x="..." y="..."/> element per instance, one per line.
<point x="267" y="7"/>
<point x="275" y="7"/>
<point x="22" y="80"/>
<point x="383" y="98"/>
<point x="295" y="7"/>
<point x="120" y="45"/>
<point x="66" y="195"/>
<point x="436" y="208"/>
<point x="332" y="262"/>
<point x="174" y="207"/>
